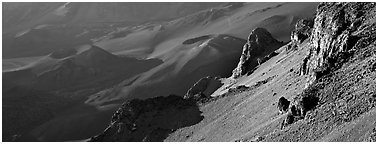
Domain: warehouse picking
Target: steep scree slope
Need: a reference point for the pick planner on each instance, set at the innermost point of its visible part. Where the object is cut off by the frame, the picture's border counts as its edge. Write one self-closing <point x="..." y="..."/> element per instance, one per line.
<point x="344" y="109"/>
<point x="341" y="67"/>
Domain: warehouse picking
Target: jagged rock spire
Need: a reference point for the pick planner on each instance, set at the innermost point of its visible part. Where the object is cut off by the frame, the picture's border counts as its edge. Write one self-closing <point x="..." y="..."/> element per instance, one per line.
<point x="260" y="42"/>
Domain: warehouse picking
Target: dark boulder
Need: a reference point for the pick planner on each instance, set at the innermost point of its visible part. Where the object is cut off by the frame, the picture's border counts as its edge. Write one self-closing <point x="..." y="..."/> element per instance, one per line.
<point x="283" y="104"/>
<point x="142" y="120"/>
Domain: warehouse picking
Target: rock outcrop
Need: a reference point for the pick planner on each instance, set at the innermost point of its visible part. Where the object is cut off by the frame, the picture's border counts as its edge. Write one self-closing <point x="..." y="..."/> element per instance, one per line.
<point x="260" y="43"/>
<point x="339" y="29"/>
<point x="203" y="88"/>
<point x="340" y="67"/>
<point x="302" y="31"/>
<point x="142" y="120"/>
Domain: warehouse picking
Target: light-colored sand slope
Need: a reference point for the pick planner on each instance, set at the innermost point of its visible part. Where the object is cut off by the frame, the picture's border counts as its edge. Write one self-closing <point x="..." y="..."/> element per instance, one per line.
<point x="182" y="67"/>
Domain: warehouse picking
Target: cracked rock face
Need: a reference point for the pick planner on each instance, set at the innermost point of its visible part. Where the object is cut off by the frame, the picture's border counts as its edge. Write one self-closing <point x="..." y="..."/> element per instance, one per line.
<point x="260" y="43"/>
<point x="338" y="28"/>
<point x="151" y="119"/>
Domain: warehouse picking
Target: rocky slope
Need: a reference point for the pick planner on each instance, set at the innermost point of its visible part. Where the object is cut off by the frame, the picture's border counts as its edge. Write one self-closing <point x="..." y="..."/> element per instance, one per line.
<point x="329" y="80"/>
<point x="260" y="43"/>
<point x="341" y="77"/>
<point x="339" y="30"/>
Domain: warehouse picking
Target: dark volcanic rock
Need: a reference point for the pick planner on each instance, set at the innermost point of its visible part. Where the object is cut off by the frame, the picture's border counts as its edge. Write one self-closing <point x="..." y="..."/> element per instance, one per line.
<point x="151" y="119"/>
<point x="203" y="88"/>
<point x="283" y="104"/>
<point x="260" y="43"/>
<point x="338" y="28"/>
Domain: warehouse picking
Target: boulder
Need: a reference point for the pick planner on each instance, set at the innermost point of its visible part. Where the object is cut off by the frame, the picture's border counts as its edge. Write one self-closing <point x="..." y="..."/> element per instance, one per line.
<point x="283" y="104"/>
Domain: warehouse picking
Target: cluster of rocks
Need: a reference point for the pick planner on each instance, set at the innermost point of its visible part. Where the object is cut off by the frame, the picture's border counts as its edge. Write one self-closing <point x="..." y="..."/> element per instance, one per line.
<point x="297" y="109"/>
<point x="239" y="88"/>
<point x="260" y="43"/>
